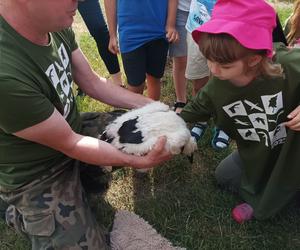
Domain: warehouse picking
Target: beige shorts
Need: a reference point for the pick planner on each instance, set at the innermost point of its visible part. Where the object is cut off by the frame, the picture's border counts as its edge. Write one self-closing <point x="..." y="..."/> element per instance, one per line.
<point x="196" y="67"/>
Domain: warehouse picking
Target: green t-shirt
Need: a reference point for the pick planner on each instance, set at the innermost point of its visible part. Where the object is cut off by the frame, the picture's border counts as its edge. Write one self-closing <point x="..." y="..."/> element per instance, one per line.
<point x="33" y="81"/>
<point x="253" y="116"/>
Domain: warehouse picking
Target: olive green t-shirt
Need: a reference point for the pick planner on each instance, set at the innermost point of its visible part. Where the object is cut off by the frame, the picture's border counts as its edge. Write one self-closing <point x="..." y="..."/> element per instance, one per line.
<point x="254" y="117"/>
<point x="33" y="81"/>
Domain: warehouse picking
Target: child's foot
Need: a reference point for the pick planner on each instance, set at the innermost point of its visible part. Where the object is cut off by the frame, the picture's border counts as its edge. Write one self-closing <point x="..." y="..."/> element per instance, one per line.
<point x="220" y="139"/>
<point x="198" y="130"/>
<point x="242" y="213"/>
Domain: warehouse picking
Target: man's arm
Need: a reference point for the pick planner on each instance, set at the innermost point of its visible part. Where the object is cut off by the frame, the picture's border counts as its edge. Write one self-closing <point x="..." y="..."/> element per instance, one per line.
<point x="102" y="89"/>
<point x="56" y="133"/>
<point x="111" y="15"/>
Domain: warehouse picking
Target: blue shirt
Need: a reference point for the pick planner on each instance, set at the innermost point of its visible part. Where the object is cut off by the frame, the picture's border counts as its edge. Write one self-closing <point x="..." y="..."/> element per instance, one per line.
<point x="140" y="21"/>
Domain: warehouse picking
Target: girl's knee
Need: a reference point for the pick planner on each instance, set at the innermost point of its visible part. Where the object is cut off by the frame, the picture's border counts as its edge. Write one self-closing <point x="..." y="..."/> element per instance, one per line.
<point x="228" y="173"/>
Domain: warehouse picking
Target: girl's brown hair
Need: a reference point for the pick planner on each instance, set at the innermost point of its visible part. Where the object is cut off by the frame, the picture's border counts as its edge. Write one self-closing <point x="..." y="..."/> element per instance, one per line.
<point x="294" y="24"/>
<point x="223" y="48"/>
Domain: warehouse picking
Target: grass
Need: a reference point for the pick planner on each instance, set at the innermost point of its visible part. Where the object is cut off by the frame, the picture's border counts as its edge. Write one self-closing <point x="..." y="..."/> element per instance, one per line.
<point x="181" y="200"/>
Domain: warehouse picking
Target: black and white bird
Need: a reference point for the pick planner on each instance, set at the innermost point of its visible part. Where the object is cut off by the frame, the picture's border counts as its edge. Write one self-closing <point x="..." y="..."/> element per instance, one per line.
<point x="136" y="131"/>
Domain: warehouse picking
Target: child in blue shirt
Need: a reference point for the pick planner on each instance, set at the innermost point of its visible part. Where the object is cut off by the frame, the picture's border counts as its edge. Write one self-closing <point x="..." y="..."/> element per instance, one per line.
<point x="145" y="29"/>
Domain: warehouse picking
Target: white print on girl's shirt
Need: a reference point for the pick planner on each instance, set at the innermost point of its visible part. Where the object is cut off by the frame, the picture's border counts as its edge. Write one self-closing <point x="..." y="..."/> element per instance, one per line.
<point x="259" y="121"/>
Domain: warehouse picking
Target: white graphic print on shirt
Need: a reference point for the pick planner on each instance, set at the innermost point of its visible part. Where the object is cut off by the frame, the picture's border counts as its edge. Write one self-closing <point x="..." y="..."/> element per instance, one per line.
<point x="258" y="121"/>
<point x="60" y="75"/>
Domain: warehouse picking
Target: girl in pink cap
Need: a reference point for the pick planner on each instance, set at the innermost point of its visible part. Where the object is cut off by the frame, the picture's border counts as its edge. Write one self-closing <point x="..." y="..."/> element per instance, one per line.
<point x="254" y="96"/>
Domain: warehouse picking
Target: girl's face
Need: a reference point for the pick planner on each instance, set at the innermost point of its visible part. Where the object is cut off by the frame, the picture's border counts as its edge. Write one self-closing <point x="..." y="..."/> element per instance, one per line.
<point x="234" y="72"/>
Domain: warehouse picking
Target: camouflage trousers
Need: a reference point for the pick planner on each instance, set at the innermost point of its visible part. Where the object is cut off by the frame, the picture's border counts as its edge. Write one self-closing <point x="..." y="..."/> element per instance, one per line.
<point x="53" y="211"/>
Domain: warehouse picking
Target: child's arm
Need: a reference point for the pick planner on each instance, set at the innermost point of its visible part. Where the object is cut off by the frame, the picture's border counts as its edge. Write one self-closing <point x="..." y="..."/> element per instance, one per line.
<point x="111" y="15"/>
<point x="294" y="122"/>
<point x="199" y="109"/>
<point x="172" y="34"/>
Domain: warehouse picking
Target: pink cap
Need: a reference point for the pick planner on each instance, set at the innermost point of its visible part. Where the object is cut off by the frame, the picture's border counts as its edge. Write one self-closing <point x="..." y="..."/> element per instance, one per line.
<point x="251" y="22"/>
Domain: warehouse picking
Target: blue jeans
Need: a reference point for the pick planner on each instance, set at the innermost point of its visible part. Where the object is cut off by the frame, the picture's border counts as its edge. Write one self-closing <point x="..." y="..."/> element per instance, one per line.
<point x="91" y="13"/>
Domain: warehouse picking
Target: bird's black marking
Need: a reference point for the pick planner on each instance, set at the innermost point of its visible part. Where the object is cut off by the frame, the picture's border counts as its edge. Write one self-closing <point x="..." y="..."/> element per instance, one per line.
<point x="104" y="137"/>
<point x="109" y="140"/>
<point x="128" y="133"/>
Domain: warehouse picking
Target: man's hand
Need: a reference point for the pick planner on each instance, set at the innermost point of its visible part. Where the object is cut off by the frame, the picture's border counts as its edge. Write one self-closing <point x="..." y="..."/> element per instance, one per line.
<point x="294" y="122"/>
<point x="156" y="156"/>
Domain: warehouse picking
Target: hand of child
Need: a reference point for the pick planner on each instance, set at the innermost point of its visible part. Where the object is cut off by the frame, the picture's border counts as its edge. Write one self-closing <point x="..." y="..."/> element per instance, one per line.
<point x="294" y="122"/>
<point x="172" y="34"/>
<point x="113" y="45"/>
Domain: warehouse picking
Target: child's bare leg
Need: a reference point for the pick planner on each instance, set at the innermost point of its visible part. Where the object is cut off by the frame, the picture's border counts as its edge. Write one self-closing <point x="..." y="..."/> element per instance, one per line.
<point x="136" y="89"/>
<point x="117" y="78"/>
<point x="153" y="87"/>
<point x="180" y="82"/>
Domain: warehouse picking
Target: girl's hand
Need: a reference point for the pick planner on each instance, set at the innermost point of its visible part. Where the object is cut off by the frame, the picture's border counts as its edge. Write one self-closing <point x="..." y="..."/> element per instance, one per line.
<point x="294" y="122"/>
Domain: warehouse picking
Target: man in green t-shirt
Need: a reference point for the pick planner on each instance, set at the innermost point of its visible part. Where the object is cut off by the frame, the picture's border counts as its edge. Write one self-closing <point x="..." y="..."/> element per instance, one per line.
<point x="41" y="141"/>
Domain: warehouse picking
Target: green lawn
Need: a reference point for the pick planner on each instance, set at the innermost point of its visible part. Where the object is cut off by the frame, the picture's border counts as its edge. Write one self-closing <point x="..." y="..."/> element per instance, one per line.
<point x="181" y="200"/>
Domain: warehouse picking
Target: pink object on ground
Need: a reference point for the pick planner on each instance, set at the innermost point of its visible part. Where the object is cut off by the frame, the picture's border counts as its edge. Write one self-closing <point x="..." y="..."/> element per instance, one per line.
<point x="242" y="213"/>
